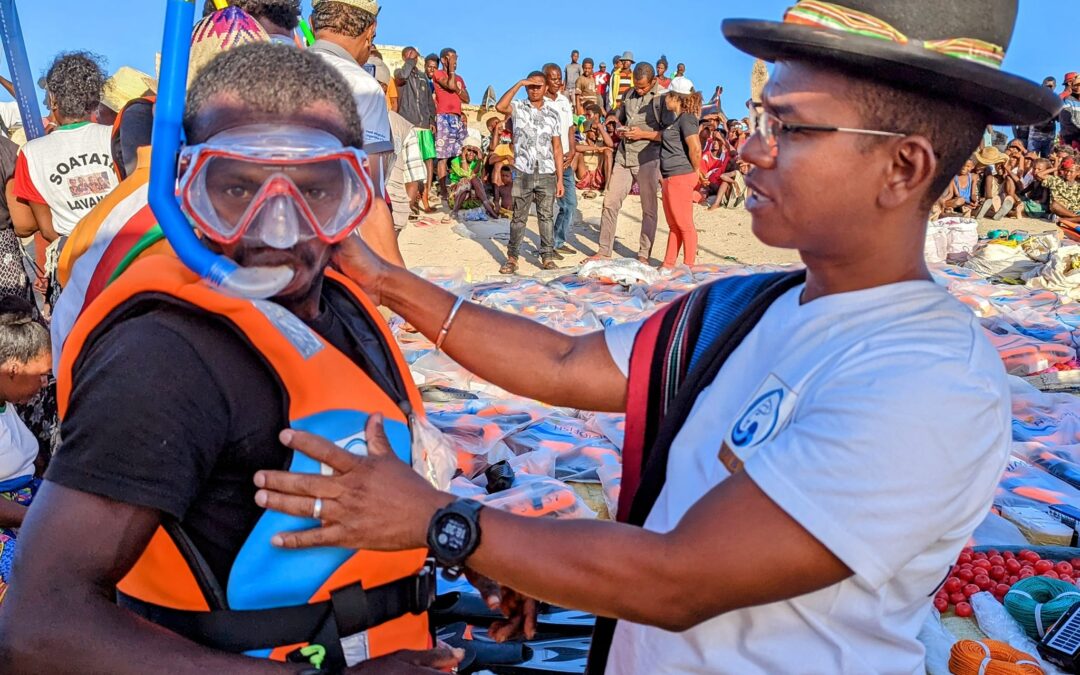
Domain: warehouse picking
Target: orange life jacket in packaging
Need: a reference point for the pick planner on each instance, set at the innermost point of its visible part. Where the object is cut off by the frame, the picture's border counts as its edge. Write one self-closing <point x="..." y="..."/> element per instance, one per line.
<point x="345" y="604"/>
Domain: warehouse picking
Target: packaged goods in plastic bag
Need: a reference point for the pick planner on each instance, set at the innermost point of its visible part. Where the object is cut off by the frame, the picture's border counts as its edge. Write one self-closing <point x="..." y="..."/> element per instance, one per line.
<point x="1061" y="461"/>
<point x="434" y="457"/>
<point x="540" y="496"/>
<point x="579" y="452"/>
<point x="611" y="425"/>
<point x="623" y="271"/>
<point x="1021" y="354"/>
<point x="996" y="622"/>
<point x="1025" y="485"/>
<point x="1038" y="526"/>
<point x="611" y="480"/>
<point x="937" y="243"/>
<point x="478" y="441"/>
<point x="453" y="279"/>
<point x="1041" y="417"/>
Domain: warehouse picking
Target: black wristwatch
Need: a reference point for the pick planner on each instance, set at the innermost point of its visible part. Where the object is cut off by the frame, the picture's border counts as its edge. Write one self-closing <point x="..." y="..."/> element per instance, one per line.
<point x="454" y="533"/>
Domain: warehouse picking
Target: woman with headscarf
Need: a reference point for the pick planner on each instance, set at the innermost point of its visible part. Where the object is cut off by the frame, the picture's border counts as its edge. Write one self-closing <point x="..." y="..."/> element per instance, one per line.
<point x="680" y="168"/>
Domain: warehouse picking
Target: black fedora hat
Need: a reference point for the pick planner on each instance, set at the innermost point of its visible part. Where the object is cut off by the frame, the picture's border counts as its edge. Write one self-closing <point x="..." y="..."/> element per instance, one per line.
<point x="953" y="49"/>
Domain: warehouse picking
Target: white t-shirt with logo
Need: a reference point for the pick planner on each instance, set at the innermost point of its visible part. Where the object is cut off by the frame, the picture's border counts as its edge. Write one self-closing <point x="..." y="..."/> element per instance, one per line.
<point x="70" y="170"/>
<point x="880" y="421"/>
<point x="18" y="447"/>
<point x="368" y="94"/>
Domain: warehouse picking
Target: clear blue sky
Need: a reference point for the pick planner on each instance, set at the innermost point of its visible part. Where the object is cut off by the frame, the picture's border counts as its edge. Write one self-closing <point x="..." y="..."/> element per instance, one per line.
<point x="527" y="34"/>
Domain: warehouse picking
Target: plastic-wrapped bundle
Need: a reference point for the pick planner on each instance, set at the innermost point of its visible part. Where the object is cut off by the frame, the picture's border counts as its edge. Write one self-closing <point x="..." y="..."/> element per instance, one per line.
<point x="1022" y="354"/>
<point x="579" y="451"/>
<point x="536" y="497"/>
<point x="611" y="425"/>
<point x="478" y="440"/>
<point x="1060" y="461"/>
<point x="622" y="271"/>
<point x="453" y="279"/>
<point x="1025" y="485"/>
<point x="1049" y="419"/>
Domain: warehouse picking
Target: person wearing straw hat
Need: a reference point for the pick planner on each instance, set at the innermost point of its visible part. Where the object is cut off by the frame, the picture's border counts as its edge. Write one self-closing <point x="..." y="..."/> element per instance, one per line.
<point x="999" y="186"/>
<point x="816" y="422"/>
<point x="126" y="85"/>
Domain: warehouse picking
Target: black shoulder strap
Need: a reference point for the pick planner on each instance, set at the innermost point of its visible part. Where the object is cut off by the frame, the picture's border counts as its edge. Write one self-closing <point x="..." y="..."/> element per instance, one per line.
<point x="654" y="473"/>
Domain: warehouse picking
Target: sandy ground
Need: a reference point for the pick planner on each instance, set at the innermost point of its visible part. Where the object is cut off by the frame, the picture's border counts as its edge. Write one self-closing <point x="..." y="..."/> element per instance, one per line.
<point x="724" y="236"/>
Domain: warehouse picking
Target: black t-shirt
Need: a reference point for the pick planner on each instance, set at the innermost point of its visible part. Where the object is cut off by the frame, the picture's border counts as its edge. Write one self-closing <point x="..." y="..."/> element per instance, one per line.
<point x="674" y="152"/>
<point x="172" y="410"/>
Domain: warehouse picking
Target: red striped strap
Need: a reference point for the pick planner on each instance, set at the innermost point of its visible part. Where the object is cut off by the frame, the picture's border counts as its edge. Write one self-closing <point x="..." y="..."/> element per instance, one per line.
<point x="637" y="407"/>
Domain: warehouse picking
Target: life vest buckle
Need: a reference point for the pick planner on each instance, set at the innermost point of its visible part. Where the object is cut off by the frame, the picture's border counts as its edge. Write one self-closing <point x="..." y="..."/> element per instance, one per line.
<point x="424" y="588"/>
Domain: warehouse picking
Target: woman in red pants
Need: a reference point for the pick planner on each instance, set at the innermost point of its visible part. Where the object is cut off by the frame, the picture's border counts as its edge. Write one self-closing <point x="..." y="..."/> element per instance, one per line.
<point x="680" y="168"/>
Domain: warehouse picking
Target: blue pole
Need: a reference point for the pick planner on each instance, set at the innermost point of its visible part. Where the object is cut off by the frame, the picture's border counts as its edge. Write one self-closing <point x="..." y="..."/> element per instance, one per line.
<point x="19" y="67"/>
<point x="255" y="282"/>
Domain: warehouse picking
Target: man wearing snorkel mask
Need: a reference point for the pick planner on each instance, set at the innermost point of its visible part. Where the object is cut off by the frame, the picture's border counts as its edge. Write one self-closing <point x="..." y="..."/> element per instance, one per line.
<point x="174" y="393"/>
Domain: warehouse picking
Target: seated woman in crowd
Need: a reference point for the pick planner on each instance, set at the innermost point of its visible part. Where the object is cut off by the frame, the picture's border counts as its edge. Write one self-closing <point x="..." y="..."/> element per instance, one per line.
<point x="466" y="179"/>
<point x="25" y="362"/>
<point x="731" y="188"/>
<point x="1063" y="181"/>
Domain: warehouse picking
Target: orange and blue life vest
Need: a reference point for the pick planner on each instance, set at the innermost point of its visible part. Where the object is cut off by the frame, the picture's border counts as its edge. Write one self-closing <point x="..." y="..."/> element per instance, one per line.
<point x="346" y="605"/>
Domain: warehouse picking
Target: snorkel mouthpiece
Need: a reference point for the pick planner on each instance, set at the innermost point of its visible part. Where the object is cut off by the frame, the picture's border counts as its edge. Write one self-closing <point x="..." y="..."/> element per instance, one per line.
<point x="254" y="282"/>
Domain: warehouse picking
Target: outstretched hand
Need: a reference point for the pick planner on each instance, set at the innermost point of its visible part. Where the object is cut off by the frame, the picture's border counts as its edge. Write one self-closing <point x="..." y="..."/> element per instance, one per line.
<point x="377" y="502"/>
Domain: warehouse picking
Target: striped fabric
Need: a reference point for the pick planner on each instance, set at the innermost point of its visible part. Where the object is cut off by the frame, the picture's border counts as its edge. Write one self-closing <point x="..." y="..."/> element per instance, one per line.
<point x="119" y="229"/>
<point x="836" y="17"/>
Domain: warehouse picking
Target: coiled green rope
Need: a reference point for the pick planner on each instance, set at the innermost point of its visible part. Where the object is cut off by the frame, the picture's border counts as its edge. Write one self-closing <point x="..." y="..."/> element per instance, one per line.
<point x="1037" y="602"/>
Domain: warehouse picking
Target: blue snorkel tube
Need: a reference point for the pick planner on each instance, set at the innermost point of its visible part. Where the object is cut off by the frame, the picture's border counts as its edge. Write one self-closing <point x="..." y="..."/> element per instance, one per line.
<point x="247" y="282"/>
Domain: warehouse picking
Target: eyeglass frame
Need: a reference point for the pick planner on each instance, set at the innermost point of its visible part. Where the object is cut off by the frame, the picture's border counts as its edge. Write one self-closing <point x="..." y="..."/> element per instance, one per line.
<point x="771" y="140"/>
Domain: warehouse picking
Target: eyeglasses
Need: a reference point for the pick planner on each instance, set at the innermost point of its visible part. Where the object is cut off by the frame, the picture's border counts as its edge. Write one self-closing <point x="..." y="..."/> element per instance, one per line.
<point x="770" y="127"/>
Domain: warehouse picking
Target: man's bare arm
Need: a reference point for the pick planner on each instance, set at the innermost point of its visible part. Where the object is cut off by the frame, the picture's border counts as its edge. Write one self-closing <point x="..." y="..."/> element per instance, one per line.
<point x="671" y="574"/>
<point x="572" y="371"/>
<point x="60" y="616"/>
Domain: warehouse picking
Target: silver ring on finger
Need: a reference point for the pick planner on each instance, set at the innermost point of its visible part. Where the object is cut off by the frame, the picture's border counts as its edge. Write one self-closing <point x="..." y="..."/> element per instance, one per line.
<point x="316" y="511"/>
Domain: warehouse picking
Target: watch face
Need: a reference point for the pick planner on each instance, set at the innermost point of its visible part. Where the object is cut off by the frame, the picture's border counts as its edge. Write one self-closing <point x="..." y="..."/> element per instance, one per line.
<point x="453" y="534"/>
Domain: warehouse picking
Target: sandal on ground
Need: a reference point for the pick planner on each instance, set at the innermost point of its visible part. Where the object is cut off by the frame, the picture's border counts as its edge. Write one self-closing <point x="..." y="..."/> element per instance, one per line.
<point x="509" y="267"/>
<point x="548" y="264"/>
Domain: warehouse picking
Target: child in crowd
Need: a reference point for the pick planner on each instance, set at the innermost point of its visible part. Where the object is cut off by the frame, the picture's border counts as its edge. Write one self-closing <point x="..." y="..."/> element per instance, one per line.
<point x="596" y="153"/>
<point x="465" y="177"/>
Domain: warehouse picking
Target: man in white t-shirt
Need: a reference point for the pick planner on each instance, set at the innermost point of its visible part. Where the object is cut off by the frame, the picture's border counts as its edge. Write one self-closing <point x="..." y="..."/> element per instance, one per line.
<point x="63" y="175"/>
<point x="806" y="453"/>
<point x="568" y="202"/>
<point x="344" y="35"/>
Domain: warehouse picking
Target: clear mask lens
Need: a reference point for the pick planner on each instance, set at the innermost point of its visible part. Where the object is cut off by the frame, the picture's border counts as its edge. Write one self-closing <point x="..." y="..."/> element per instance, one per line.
<point x="280" y="202"/>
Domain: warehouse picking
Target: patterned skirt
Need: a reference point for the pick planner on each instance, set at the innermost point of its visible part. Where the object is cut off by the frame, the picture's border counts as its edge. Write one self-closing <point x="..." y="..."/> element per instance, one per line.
<point x="23" y="496"/>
